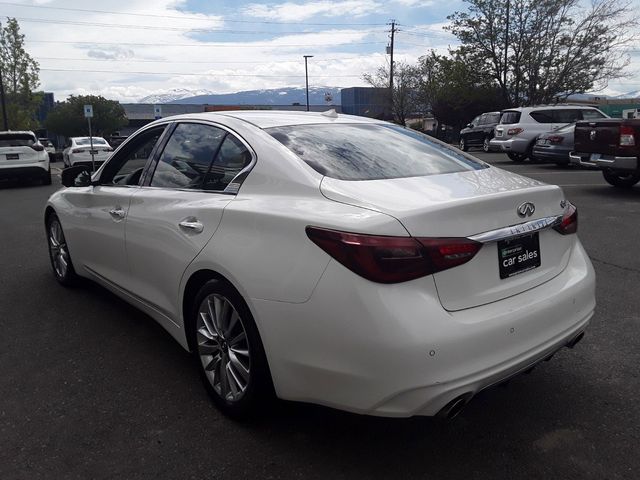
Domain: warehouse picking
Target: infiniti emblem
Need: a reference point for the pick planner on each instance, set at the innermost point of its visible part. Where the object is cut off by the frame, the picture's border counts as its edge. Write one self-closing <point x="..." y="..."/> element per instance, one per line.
<point x="592" y="135"/>
<point x="526" y="209"/>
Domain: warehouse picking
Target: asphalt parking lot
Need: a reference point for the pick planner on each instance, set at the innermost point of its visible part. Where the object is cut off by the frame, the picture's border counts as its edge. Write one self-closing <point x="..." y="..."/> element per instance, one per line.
<point x="92" y="388"/>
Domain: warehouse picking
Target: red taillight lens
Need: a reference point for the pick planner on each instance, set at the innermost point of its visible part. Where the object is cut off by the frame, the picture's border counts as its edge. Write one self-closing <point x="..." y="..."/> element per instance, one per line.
<point x="108" y="149"/>
<point x="569" y="222"/>
<point x="37" y="147"/>
<point x="627" y="138"/>
<point x="77" y="150"/>
<point x="555" y="139"/>
<point x="514" y="131"/>
<point x="385" y="259"/>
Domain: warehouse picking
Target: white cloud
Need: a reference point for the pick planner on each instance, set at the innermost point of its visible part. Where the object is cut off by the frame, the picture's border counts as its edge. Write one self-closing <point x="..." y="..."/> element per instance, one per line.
<point x="289" y="11"/>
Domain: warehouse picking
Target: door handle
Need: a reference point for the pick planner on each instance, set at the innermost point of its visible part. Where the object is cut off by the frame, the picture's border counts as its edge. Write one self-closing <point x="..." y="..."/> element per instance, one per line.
<point x="117" y="213"/>
<point x="192" y="225"/>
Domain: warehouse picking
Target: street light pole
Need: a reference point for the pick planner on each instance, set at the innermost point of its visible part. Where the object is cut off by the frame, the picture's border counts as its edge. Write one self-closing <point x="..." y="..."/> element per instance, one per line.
<point x="306" y="77"/>
<point x="4" y="104"/>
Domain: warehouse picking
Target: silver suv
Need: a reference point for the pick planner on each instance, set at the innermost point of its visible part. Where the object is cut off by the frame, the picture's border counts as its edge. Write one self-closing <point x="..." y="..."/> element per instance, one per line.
<point x="519" y="127"/>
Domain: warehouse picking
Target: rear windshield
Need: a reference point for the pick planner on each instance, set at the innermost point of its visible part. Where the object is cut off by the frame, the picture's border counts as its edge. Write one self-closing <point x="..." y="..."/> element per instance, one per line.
<point x="371" y="152"/>
<point x="17" y="140"/>
<point x="510" y="117"/>
<point x="86" y="141"/>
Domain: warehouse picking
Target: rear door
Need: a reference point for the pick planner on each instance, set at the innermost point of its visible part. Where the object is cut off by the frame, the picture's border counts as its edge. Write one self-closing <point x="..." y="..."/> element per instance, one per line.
<point x="178" y="209"/>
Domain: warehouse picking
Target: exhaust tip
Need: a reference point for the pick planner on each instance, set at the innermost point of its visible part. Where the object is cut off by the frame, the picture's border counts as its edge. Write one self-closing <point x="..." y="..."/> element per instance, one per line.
<point x="575" y="340"/>
<point x="455" y="406"/>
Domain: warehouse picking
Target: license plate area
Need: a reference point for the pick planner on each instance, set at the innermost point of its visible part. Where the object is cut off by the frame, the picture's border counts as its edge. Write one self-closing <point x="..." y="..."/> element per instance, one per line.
<point x="518" y="255"/>
<point x="13" y="156"/>
<point x="93" y="152"/>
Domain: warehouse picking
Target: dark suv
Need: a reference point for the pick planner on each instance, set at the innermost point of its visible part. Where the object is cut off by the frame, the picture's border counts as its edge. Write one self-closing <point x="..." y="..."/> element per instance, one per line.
<point x="479" y="132"/>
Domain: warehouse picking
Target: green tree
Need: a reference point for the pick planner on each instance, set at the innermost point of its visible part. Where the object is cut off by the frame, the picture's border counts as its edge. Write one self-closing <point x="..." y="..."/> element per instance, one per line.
<point x="67" y="118"/>
<point x="19" y="78"/>
<point x="537" y="51"/>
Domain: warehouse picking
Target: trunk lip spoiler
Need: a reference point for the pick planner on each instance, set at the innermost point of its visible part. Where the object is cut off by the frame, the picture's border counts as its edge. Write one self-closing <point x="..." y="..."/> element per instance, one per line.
<point x="517" y="230"/>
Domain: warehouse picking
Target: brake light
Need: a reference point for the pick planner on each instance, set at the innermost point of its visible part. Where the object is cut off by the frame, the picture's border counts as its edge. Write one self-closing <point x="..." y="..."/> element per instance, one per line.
<point x="569" y="223"/>
<point x="515" y="131"/>
<point x="37" y="147"/>
<point x="108" y="149"/>
<point x="77" y="150"/>
<point x="627" y="138"/>
<point x="385" y="259"/>
<point x="555" y="139"/>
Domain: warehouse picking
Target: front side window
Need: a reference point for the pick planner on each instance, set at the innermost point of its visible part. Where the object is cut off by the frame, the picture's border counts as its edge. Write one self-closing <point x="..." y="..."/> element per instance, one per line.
<point x="493" y="118"/>
<point x="127" y="167"/>
<point x="371" y="152"/>
<point x="567" y="115"/>
<point x="186" y="159"/>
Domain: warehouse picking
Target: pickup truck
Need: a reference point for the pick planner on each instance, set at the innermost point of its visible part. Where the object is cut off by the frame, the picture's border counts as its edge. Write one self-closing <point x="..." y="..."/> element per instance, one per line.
<point x="612" y="145"/>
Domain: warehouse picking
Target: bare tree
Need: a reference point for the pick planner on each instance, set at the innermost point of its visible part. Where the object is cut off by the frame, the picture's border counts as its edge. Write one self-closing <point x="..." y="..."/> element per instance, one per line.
<point x="405" y="89"/>
<point x="539" y="50"/>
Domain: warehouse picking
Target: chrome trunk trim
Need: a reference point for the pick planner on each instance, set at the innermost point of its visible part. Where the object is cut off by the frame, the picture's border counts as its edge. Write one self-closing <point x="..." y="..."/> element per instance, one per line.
<point x="517" y="230"/>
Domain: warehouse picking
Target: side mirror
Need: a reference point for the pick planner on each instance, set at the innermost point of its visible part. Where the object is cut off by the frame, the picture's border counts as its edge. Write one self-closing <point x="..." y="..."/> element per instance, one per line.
<point x="78" y="176"/>
<point x="469" y="125"/>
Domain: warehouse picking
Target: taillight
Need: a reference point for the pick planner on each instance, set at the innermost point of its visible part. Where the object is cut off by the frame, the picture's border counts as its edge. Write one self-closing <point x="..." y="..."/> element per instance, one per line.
<point x="515" y="131"/>
<point x="37" y="147"/>
<point x="627" y="138"/>
<point x="77" y="150"/>
<point x="108" y="149"/>
<point x="555" y="139"/>
<point x="386" y="259"/>
<point x="569" y="223"/>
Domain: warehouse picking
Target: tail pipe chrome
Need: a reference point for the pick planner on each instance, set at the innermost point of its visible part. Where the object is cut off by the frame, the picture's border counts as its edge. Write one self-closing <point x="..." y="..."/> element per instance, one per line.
<point x="574" y="341"/>
<point x="455" y="406"/>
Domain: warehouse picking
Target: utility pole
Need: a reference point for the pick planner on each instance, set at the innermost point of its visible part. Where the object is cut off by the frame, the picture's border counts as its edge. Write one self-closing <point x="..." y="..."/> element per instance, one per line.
<point x="393" y="31"/>
<point x="4" y="104"/>
<point x="506" y="56"/>
<point x="306" y="77"/>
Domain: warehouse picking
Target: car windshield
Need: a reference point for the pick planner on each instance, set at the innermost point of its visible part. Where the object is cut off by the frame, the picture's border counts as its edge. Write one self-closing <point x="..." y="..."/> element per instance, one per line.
<point x="371" y="152"/>
<point x="16" y="140"/>
<point x="87" y="141"/>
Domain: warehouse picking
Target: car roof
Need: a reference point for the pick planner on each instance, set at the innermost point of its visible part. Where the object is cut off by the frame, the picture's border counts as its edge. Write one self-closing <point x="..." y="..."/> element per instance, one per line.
<point x="278" y="118"/>
<point x="547" y="107"/>
<point x="17" y="132"/>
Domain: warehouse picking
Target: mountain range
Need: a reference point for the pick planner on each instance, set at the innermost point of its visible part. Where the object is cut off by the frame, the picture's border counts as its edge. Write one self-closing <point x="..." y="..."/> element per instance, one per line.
<point x="275" y="96"/>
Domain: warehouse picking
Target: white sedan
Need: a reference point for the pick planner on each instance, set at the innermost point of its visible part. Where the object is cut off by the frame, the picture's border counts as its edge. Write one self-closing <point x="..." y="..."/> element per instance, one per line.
<point x="79" y="151"/>
<point x="328" y="258"/>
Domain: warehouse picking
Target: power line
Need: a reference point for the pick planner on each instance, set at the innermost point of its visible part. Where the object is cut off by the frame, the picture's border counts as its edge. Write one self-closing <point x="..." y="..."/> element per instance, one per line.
<point x="119" y="72"/>
<point x="201" y="45"/>
<point x="128" y="60"/>
<point x="180" y="29"/>
<point x="151" y="15"/>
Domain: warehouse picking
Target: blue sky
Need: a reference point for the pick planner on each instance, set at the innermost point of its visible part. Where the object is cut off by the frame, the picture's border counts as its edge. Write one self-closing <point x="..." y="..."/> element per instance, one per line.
<point x="127" y="49"/>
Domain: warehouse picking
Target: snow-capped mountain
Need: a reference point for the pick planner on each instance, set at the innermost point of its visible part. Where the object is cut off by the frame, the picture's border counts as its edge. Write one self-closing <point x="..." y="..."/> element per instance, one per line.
<point x="277" y="96"/>
<point x="173" y="95"/>
<point x="634" y="94"/>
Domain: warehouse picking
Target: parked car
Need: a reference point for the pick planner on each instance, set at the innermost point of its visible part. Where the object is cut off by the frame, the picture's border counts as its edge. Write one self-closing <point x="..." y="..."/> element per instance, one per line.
<point x="78" y="151"/>
<point x="49" y="148"/>
<point x="519" y="127"/>
<point x="22" y="156"/>
<point x="328" y="258"/>
<point x="479" y="132"/>
<point x="612" y="145"/>
<point x="555" y="146"/>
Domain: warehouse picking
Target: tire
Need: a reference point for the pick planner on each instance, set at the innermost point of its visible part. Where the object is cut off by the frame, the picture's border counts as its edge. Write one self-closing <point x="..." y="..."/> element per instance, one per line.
<point x="463" y="145"/>
<point x="59" y="253"/>
<point x="485" y="145"/>
<point x="517" y="157"/>
<point x="621" y="179"/>
<point x="46" y="180"/>
<point x="228" y="351"/>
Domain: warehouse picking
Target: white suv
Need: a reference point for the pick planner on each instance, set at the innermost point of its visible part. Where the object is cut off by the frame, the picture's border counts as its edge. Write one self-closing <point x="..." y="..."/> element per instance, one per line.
<point x="21" y="155"/>
<point x="519" y="127"/>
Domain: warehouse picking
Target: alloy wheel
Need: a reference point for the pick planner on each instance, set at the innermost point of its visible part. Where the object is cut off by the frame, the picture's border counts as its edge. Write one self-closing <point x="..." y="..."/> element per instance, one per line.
<point x="58" y="249"/>
<point x="223" y="347"/>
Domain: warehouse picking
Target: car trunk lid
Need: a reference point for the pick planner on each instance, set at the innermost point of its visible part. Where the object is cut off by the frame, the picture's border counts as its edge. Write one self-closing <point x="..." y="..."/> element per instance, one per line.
<point x="463" y="205"/>
<point x="600" y="136"/>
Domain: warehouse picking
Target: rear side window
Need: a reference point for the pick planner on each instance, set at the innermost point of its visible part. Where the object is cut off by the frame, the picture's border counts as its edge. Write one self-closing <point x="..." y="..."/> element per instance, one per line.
<point x="591" y="114"/>
<point x="186" y="159"/>
<point x="232" y="157"/>
<point x="371" y="152"/>
<point x="17" y="140"/>
<point x="543" y="116"/>
<point x="510" y="117"/>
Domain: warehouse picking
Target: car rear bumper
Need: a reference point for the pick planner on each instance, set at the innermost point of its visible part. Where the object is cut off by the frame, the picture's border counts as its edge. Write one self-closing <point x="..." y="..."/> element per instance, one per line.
<point x="551" y="154"/>
<point x="38" y="170"/>
<point x="392" y="350"/>
<point x="604" y="161"/>
<point x="513" y="144"/>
